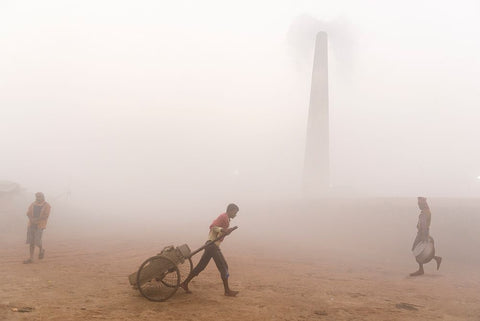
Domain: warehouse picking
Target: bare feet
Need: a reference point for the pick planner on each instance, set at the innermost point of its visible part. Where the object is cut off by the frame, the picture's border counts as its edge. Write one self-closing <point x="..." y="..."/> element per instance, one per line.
<point x="419" y="272"/>
<point x="28" y="261"/>
<point x="231" y="293"/>
<point x="185" y="287"/>
<point x="439" y="261"/>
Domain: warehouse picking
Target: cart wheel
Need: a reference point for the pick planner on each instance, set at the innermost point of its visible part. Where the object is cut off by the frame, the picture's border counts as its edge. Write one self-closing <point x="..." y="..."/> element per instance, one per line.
<point x="158" y="278"/>
<point x="185" y="269"/>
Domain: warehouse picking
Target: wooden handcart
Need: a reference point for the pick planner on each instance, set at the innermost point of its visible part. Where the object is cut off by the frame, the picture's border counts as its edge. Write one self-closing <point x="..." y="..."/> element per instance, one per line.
<point x="160" y="276"/>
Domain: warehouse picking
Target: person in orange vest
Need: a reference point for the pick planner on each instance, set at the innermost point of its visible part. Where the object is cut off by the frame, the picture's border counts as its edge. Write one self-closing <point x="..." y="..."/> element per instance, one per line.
<point x="37" y="214"/>
<point x="220" y="226"/>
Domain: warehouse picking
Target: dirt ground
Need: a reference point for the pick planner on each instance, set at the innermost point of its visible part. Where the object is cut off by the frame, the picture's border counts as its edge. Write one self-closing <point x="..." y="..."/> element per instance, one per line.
<point x="316" y="277"/>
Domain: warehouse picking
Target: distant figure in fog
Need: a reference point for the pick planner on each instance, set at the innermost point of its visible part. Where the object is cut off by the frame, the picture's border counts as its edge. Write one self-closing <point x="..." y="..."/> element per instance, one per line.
<point x="424" y="247"/>
<point x="219" y="227"/>
<point x="37" y="213"/>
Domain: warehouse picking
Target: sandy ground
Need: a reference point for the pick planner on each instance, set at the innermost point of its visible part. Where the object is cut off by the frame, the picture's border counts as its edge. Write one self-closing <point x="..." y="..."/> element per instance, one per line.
<point x="313" y="278"/>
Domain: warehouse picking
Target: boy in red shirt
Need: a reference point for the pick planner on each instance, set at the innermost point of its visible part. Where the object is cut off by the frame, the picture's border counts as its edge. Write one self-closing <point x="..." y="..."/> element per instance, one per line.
<point x="219" y="227"/>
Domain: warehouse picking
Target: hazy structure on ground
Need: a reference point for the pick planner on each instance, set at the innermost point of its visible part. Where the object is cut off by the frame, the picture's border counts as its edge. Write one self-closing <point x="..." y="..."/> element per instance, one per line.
<point x="316" y="177"/>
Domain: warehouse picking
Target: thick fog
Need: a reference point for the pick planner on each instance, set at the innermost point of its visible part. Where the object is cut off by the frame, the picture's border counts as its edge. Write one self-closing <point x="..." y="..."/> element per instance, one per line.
<point x="120" y="102"/>
<point x="142" y="120"/>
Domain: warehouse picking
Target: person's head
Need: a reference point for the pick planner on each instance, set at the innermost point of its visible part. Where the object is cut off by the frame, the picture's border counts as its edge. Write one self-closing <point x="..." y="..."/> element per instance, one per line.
<point x="232" y="210"/>
<point x="422" y="203"/>
<point x="39" y="197"/>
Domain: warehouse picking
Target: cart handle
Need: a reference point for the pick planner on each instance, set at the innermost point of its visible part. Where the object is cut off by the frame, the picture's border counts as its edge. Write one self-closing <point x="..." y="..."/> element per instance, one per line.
<point x="209" y="243"/>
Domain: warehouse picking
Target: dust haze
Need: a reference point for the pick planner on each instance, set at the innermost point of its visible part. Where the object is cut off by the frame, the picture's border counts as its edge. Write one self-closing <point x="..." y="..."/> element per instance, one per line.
<point x="141" y="121"/>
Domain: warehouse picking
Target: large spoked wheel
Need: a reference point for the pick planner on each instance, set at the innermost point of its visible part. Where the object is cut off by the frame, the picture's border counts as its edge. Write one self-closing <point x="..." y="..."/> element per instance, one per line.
<point x="185" y="269"/>
<point x="158" y="278"/>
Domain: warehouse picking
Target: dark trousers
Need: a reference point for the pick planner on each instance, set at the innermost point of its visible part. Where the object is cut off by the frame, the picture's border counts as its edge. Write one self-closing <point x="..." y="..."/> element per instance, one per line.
<point x="212" y="251"/>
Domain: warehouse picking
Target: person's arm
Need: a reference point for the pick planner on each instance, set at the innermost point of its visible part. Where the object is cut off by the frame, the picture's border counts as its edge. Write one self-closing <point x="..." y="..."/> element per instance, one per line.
<point x="422" y="227"/>
<point x="30" y="214"/>
<point x="228" y="230"/>
<point x="216" y="229"/>
<point x="44" y="213"/>
<point x="41" y="220"/>
<point x="220" y="231"/>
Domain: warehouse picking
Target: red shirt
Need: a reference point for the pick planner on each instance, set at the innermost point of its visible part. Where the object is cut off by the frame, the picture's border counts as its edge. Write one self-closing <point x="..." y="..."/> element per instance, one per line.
<point x="222" y="221"/>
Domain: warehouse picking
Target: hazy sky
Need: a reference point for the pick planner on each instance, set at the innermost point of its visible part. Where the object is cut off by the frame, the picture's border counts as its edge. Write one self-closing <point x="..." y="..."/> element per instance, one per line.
<point x="211" y="97"/>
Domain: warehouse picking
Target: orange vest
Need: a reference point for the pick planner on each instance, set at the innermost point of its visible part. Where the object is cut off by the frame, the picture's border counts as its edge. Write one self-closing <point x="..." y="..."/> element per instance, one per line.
<point x="42" y="219"/>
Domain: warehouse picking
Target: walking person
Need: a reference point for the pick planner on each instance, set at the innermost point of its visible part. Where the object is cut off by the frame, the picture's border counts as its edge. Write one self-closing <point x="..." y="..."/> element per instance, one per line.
<point x="37" y="214"/>
<point x="219" y="227"/>
<point x="424" y="246"/>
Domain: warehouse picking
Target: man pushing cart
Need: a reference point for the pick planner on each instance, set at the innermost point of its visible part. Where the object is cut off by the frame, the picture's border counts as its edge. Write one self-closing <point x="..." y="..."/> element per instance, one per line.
<point x="218" y="230"/>
<point x="159" y="277"/>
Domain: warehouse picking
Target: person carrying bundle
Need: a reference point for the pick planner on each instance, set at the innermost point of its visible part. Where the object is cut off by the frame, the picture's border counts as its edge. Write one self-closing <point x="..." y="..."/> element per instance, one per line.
<point x="424" y="247"/>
